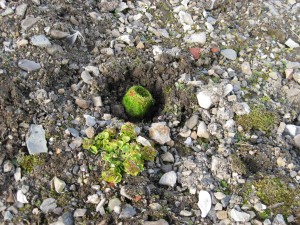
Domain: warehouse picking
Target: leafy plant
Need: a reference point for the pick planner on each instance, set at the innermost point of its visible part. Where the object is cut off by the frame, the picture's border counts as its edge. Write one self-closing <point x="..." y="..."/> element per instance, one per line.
<point x="121" y="152"/>
<point x="137" y="101"/>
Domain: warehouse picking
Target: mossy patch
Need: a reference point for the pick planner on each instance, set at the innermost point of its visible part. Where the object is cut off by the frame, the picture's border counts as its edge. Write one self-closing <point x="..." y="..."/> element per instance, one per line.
<point x="238" y="165"/>
<point x="259" y="118"/>
<point x="28" y="162"/>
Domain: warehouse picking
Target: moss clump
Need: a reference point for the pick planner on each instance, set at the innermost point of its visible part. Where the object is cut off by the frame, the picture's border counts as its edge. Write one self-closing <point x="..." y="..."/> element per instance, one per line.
<point x="258" y="119"/>
<point x="137" y="101"/>
<point x="28" y="162"/>
<point x="238" y="165"/>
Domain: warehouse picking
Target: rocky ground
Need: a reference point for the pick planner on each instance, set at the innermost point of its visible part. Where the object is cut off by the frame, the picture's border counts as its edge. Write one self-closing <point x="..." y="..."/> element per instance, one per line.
<point x="225" y="75"/>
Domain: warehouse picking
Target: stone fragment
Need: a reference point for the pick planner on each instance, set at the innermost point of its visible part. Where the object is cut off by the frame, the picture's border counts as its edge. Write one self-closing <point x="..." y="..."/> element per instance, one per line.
<point x="35" y="140"/>
<point x="21" y="197"/>
<point x="79" y="213"/>
<point x="185" y="18"/>
<point x="185" y="213"/>
<point x="167" y="157"/>
<point x="65" y="219"/>
<point x="127" y="212"/>
<point x="22" y="42"/>
<point x="8" y="11"/>
<point x="192" y="122"/>
<point x="82" y="103"/>
<point x="58" y="34"/>
<point x="297" y="140"/>
<point x="17" y="174"/>
<point x="259" y="207"/>
<point x="90" y="132"/>
<point x="246" y="69"/>
<point x="219" y="195"/>
<point x="199" y="38"/>
<point x="7" y="166"/>
<point x="28" y="65"/>
<point x="21" y="9"/>
<point x="292" y="129"/>
<point x="291" y="43"/>
<point x="114" y="202"/>
<point x="40" y="41"/>
<point x="97" y="101"/>
<point x="158" y="222"/>
<point x="280" y="162"/>
<point x="159" y="132"/>
<point x="241" y="108"/>
<point x="296" y="77"/>
<point x="279" y="220"/>
<point x="289" y="74"/>
<point x="227" y="89"/>
<point x="48" y="205"/>
<point x="168" y="179"/>
<point x="293" y="65"/>
<point x="204" y="99"/>
<point x="204" y="203"/>
<point x="58" y="184"/>
<point x="239" y="216"/>
<point x="143" y="141"/>
<point x="93" y="199"/>
<point x="222" y="215"/>
<point x="93" y="69"/>
<point x="202" y="131"/>
<point x="90" y="121"/>
<point x="229" y="54"/>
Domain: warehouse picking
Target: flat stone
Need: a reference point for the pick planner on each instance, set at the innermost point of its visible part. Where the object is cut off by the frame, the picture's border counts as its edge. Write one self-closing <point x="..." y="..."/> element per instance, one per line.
<point x="86" y="77"/>
<point x="168" y="179"/>
<point x="21" y="197"/>
<point x="204" y="203"/>
<point x="296" y="77"/>
<point x="7" y="166"/>
<point x="241" y="108"/>
<point x="40" y="41"/>
<point x="291" y="43"/>
<point x="199" y="38"/>
<point x="90" y="121"/>
<point x="227" y="89"/>
<point x="8" y="11"/>
<point x="65" y="219"/>
<point x="58" y="184"/>
<point x="35" y="140"/>
<point x="289" y="74"/>
<point x="239" y="216"/>
<point x="21" y="9"/>
<point x="82" y="103"/>
<point x="293" y="65"/>
<point x="204" y="99"/>
<point x="297" y="140"/>
<point x="222" y="215"/>
<point x="280" y="162"/>
<point x="127" y="212"/>
<point x="219" y="195"/>
<point x="58" y="34"/>
<point x="202" y="130"/>
<point x="292" y="129"/>
<point x="167" y="157"/>
<point x="97" y="101"/>
<point x="48" y="205"/>
<point x="93" y="69"/>
<point x="229" y="54"/>
<point x="246" y="68"/>
<point x="185" y="18"/>
<point x="279" y="220"/>
<point x="159" y="132"/>
<point x="158" y="222"/>
<point x="143" y="141"/>
<point x="79" y="212"/>
<point x="17" y="174"/>
<point x="28" y="65"/>
<point x="90" y="132"/>
<point x="192" y="122"/>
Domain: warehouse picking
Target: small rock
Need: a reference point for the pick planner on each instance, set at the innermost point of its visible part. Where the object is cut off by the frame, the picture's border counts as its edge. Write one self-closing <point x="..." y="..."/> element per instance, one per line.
<point x="97" y="101"/>
<point x="168" y="179"/>
<point x="90" y="132"/>
<point x="185" y="18"/>
<point x="82" y="103"/>
<point x="28" y="65"/>
<point x="291" y="44"/>
<point x="58" y="185"/>
<point x="86" y="77"/>
<point x="280" y="162"/>
<point x="7" y="166"/>
<point x="239" y="216"/>
<point x="158" y="222"/>
<point x="246" y="69"/>
<point x="167" y="157"/>
<point x="185" y="213"/>
<point x="79" y="213"/>
<point x="114" y="202"/>
<point x="241" y="108"/>
<point x="90" y="121"/>
<point x="8" y="11"/>
<point x="196" y="38"/>
<point x="17" y="174"/>
<point x="7" y="216"/>
<point x="195" y="52"/>
<point x="227" y="89"/>
<point x="204" y="203"/>
<point x="297" y="140"/>
<point x="292" y="129"/>
<point x="143" y="141"/>
<point x="289" y="74"/>
<point x="159" y="132"/>
<point x="204" y="99"/>
<point x="21" y="197"/>
<point x="93" y="199"/>
<point x="127" y="212"/>
<point x="293" y="65"/>
<point x="21" y="9"/>
<point x="35" y="140"/>
<point x="279" y="220"/>
<point x="65" y="219"/>
<point x="128" y="39"/>
<point x="58" y="34"/>
<point x="219" y="195"/>
<point x="48" y="205"/>
<point x="40" y="41"/>
<point x="140" y="45"/>
<point x="259" y="207"/>
<point x="229" y="54"/>
<point x="192" y="122"/>
<point x="222" y="215"/>
<point x="28" y="22"/>
<point x="202" y="131"/>
<point x="296" y="77"/>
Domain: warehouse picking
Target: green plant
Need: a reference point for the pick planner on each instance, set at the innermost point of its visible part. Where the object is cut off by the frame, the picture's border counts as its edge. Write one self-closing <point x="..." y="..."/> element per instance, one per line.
<point x="120" y="152"/>
<point x="137" y="101"/>
<point x="28" y="162"/>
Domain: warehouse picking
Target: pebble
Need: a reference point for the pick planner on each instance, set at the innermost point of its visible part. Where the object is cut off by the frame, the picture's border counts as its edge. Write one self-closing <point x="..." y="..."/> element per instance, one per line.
<point x="143" y="141"/>
<point x="168" y="179"/>
<point x="90" y="132"/>
<point x="21" y="197"/>
<point x="158" y="222"/>
<point x="48" y="205"/>
<point x="160" y="133"/>
<point x="239" y="216"/>
<point x="86" y="77"/>
<point x="28" y="22"/>
<point x="40" y="41"/>
<point x="65" y="219"/>
<point x="97" y="101"/>
<point x="291" y="44"/>
<point x="227" y="89"/>
<point x="8" y="11"/>
<point x="185" y="18"/>
<point x="185" y="213"/>
<point x="204" y="203"/>
<point x="28" y="65"/>
<point x="289" y="74"/>
<point x="259" y="207"/>
<point x="296" y="77"/>
<point x="219" y="195"/>
<point x="17" y="174"/>
<point x="114" y="202"/>
<point x="21" y="9"/>
<point x="82" y="103"/>
<point x="229" y="54"/>
<point x="292" y="129"/>
<point x="293" y="65"/>
<point x="192" y="122"/>
<point x="90" y="121"/>
<point x="280" y="162"/>
<point x="7" y="216"/>
<point x="35" y="140"/>
<point x="279" y="220"/>
<point x="22" y="42"/>
<point x="246" y="68"/>
<point x="199" y="38"/>
<point x="79" y="213"/>
<point x="202" y="131"/>
<point x="297" y="140"/>
<point x="167" y="157"/>
<point x="222" y="215"/>
<point x="204" y="99"/>
<point x="7" y="166"/>
<point x="58" y="184"/>
<point x="93" y="199"/>
<point x="127" y="212"/>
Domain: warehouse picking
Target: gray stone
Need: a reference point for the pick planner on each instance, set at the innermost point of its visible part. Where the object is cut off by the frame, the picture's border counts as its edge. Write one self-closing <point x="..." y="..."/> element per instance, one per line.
<point x="293" y="65"/>
<point x="167" y="157"/>
<point x="296" y="77"/>
<point x="199" y="38"/>
<point x="168" y="179"/>
<point x="204" y="99"/>
<point x="58" y="34"/>
<point x="65" y="219"/>
<point x="185" y="18"/>
<point x="185" y="213"/>
<point x="7" y="216"/>
<point x="204" y="203"/>
<point x="8" y="11"/>
<point x="40" y="41"/>
<point x="35" y="140"/>
<point x="239" y="216"/>
<point x="292" y="129"/>
<point x="114" y="202"/>
<point x="291" y="44"/>
<point x="21" y="9"/>
<point x="18" y="174"/>
<point x="192" y="122"/>
<point x="279" y="220"/>
<point x="297" y="140"/>
<point x="48" y="205"/>
<point x="54" y="49"/>
<point x="241" y="108"/>
<point x="74" y="132"/>
<point x="7" y="166"/>
<point x="79" y="212"/>
<point x="82" y="103"/>
<point x="21" y="197"/>
<point x="90" y="121"/>
<point x="28" y="65"/>
<point x="202" y="130"/>
<point x="229" y="54"/>
<point x="227" y="89"/>
<point x="246" y="69"/>
<point x="58" y="184"/>
<point x="159" y="132"/>
<point x="127" y="212"/>
<point x="143" y="141"/>
<point x="158" y="222"/>
<point x="29" y="22"/>
<point x="86" y="77"/>
<point x="97" y="101"/>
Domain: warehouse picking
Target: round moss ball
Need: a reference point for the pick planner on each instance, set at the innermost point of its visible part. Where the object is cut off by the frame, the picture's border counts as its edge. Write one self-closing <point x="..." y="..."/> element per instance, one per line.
<point x="137" y="101"/>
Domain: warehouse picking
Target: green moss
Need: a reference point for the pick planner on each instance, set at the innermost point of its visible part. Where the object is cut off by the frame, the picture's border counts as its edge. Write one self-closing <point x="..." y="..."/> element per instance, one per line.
<point x="265" y="214"/>
<point x="258" y="119"/>
<point x="137" y="101"/>
<point x="28" y="162"/>
<point x="238" y="165"/>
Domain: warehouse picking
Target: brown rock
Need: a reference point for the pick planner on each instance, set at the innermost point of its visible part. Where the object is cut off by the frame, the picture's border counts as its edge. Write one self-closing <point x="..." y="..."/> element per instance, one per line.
<point x="82" y="103"/>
